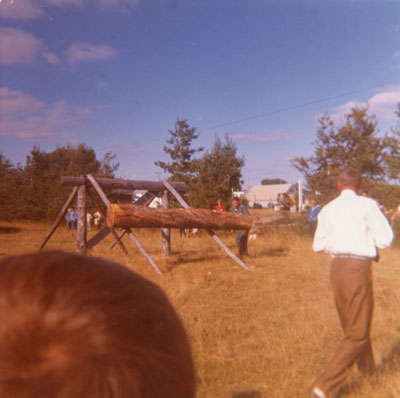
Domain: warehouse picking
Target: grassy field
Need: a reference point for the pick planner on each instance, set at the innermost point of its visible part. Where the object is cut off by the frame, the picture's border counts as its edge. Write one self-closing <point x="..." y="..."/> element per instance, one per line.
<point x="266" y="332"/>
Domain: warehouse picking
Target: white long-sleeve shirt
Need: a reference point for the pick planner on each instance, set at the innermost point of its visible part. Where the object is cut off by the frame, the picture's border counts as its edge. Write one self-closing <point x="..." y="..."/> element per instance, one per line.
<point x="352" y="224"/>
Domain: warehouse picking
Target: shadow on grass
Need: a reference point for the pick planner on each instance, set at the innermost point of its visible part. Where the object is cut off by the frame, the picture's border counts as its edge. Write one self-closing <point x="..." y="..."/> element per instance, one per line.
<point x="181" y="260"/>
<point x="274" y="252"/>
<point x="246" y="394"/>
<point x="393" y="358"/>
<point x="9" y="230"/>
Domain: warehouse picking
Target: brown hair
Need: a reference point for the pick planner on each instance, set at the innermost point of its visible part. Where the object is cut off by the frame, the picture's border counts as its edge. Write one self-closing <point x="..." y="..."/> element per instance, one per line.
<point x="350" y="177"/>
<point x="74" y="326"/>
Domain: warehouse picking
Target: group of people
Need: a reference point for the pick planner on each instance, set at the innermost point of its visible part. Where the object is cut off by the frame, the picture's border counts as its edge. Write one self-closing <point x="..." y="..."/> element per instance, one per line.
<point x="241" y="236"/>
<point x="71" y="219"/>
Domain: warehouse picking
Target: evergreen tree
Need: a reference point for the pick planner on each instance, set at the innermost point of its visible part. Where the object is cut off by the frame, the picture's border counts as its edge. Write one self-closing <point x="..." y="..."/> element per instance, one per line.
<point x="219" y="172"/>
<point x="179" y="149"/>
<point x="11" y="189"/>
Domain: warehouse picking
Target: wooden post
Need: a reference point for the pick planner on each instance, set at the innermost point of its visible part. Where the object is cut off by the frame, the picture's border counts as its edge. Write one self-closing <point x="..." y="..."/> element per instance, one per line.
<point x="165" y="232"/>
<point x="131" y="235"/>
<point x="215" y="237"/>
<point x="81" y="227"/>
<point x="59" y="217"/>
<point x="105" y="200"/>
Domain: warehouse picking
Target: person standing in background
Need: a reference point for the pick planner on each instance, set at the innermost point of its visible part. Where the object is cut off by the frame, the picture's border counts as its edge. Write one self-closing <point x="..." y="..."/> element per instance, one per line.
<point x="312" y="216"/>
<point x="241" y="236"/>
<point x="219" y="206"/>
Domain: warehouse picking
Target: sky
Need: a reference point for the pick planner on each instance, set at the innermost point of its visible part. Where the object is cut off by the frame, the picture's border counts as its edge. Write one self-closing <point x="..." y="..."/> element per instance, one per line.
<point x="117" y="74"/>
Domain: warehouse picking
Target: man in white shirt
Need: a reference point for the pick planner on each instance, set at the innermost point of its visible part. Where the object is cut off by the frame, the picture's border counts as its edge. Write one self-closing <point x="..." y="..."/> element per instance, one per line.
<point x="350" y="228"/>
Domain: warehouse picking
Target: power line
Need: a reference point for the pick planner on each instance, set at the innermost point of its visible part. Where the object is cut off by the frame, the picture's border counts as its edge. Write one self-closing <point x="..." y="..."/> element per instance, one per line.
<point x="289" y="108"/>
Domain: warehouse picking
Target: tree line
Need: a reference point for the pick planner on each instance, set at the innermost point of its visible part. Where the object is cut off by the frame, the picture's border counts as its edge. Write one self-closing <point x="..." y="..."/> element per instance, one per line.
<point x="33" y="191"/>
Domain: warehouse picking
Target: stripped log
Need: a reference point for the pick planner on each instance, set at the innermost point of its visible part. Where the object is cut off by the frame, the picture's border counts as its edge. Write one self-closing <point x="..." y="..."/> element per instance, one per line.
<point x="116" y="183"/>
<point x="122" y="193"/>
<point x="127" y="215"/>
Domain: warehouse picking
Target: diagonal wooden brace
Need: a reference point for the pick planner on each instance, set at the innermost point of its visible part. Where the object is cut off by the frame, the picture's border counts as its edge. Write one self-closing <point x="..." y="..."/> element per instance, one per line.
<point x="131" y="235"/>
<point x="210" y="232"/>
<point x="123" y="248"/>
<point x="59" y="217"/>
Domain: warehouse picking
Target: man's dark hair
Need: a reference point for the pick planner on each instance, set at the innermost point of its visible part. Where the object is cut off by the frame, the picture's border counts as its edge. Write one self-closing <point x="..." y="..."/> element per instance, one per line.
<point x="74" y="326"/>
<point x="350" y="177"/>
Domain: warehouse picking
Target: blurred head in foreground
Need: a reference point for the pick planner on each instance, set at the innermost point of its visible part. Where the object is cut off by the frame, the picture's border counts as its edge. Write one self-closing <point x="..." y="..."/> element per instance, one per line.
<point x="74" y="326"/>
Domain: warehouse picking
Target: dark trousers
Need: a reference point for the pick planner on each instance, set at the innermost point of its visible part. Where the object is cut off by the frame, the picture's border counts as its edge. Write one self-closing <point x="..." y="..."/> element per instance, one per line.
<point x="351" y="281"/>
<point x="241" y="238"/>
<point x="313" y="227"/>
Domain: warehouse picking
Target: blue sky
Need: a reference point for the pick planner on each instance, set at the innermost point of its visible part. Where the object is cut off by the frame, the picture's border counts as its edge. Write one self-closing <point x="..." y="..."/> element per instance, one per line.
<point x="116" y="74"/>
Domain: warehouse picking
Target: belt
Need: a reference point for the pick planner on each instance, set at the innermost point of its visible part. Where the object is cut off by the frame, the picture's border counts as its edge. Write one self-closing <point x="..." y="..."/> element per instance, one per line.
<point x="349" y="255"/>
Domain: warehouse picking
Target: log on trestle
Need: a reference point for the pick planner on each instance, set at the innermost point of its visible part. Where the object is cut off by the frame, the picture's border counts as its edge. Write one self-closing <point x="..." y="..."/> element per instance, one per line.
<point x="128" y="215"/>
<point x="120" y="183"/>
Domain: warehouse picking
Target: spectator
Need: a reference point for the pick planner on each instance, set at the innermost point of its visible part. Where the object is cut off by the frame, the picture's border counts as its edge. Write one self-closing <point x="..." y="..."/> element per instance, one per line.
<point x="219" y="206"/>
<point x="313" y="216"/>
<point x="71" y="217"/>
<point x="97" y="218"/>
<point x="68" y="218"/>
<point x="241" y="236"/>
<point x="80" y="327"/>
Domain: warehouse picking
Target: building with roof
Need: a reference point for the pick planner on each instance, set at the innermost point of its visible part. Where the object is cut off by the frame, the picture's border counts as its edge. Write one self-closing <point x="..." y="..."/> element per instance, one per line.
<point x="267" y="195"/>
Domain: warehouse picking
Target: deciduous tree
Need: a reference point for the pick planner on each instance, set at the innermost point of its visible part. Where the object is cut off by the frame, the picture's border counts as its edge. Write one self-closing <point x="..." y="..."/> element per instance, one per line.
<point x="356" y="143"/>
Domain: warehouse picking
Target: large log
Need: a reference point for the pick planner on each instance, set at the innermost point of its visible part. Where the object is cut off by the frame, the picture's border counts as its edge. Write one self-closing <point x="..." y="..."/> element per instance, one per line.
<point x="127" y="215"/>
<point x="115" y="183"/>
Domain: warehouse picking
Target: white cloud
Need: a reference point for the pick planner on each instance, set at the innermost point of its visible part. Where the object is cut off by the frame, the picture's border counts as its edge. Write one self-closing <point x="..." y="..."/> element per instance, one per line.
<point x="276" y="136"/>
<point x="118" y="3"/>
<point x="52" y="58"/>
<point x="383" y="105"/>
<point x="21" y="9"/>
<point x="18" y="47"/>
<point x="26" y="117"/>
<point x="34" y="9"/>
<point x="84" y="52"/>
<point x="65" y="3"/>
<point x="14" y="103"/>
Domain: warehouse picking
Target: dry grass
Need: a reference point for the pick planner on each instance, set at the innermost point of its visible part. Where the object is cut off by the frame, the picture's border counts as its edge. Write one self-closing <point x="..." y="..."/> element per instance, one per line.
<point x="261" y="333"/>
